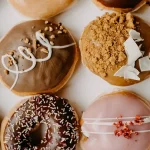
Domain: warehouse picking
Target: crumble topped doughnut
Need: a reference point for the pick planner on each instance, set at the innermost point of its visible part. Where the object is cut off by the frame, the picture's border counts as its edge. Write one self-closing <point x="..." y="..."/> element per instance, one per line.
<point x="41" y="9"/>
<point x="121" y="6"/>
<point x="117" y="121"/>
<point x="37" y="57"/>
<point x="20" y="127"/>
<point x="115" y="43"/>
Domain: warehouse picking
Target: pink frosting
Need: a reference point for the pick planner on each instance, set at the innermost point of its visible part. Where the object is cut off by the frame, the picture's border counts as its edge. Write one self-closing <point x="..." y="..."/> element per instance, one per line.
<point x="111" y="106"/>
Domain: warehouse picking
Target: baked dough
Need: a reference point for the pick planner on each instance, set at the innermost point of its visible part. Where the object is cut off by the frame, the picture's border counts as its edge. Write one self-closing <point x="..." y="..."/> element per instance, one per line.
<point x="120" y="5"/>
<point x="41" y="9"/>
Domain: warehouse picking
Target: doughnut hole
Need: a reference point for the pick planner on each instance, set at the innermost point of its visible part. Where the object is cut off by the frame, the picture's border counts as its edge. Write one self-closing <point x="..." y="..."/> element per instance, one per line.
<point x="38" y="133"/>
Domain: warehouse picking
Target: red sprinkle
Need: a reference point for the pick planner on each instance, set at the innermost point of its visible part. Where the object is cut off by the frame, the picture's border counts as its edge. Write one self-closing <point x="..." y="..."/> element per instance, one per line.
<point x="122" y="129"/>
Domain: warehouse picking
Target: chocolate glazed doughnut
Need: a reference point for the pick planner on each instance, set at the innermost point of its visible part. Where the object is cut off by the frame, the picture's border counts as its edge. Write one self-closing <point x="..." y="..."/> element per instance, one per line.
<point x="121" y="6"/>
<point x="44" y="53"/>
<point x="20" y="128"/>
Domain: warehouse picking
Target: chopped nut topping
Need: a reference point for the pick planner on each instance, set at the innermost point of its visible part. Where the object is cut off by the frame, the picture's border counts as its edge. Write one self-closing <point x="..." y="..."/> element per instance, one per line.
<point x="61" y="28"/>
<point x="52" y="43"/>
<point x="10" y="62"/>
<point x="52" y="36"/>
<point x="30" y="50"/>
<point x="16" y="62"/>
<point x="65" y="31"/>
<point x="50" y="29"/>
<point x="44" y="50"/>
<point x="26" y="41"/>
<point x="59" y="24"/>
<point x="46" y="22"/>
<point x="11" y="53"/>
<point x="6" y="72"/>
<point x="59" y="32"/>
<point x="38" y="45"/>
<point x="46" y="29"/>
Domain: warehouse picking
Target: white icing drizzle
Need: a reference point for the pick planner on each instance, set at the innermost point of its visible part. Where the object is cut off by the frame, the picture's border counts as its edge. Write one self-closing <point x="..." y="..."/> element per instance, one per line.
<point x="120" y="118"/>
<point x="112" y="133"/>
<point x="16" y="66"/>
<point x="145" y="121"/>
<point x="32" y="58"/>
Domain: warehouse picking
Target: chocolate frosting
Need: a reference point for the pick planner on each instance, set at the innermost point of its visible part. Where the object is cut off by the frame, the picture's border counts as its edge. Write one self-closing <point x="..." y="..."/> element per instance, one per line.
<point x="45" y="75"/>
<point x="54" y="112"/>
<point x="120" y="3"/>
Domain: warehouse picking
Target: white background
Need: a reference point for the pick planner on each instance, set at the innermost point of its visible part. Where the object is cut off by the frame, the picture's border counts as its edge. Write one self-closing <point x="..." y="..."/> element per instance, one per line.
<point x="84" y="86"/>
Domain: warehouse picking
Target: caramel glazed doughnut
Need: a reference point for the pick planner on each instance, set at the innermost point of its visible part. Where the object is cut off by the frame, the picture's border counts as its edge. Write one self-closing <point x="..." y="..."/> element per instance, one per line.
<point x="120" y="5"/>
<point x="116" y="48"/>
<point x="41" y="9"/>
<point x="43" y="122"/>
<point x="117" y="121"/>
<point x="37" y="57"/>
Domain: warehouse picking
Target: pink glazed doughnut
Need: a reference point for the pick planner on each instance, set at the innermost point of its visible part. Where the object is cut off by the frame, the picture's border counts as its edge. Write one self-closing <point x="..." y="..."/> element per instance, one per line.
<point x="117" y="121"/>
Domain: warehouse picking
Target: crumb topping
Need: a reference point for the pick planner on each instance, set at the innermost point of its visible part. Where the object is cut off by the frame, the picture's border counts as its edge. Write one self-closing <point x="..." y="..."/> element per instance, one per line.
<point x="103" y="43"/>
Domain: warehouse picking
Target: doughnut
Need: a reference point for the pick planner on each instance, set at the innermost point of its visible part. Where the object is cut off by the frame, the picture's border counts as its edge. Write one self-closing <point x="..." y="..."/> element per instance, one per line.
<point x="40" y="9"/>
<point x="42" y="122"/>
<point x="116" y="48"/>
<point x="37" y="57"/>
<point x="117" y="121"/>
<point x="120" y="6"/>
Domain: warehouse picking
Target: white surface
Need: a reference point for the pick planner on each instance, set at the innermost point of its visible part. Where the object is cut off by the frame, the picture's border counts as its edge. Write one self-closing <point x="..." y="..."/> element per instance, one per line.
<point x="84" y="86"/>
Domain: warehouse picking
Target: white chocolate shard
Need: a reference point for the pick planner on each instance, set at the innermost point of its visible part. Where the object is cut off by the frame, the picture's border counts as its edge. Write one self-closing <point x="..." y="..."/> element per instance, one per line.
<point x="144" y="64"/>
<point x="131" y="75"/>
<point x="133" y="53"/>
<point x="132" y="50"/>
<point x="120" y="72"/>
<point x="128" y="72"/>
<point x="135" y="35"/>
<point x="140" y="46"/>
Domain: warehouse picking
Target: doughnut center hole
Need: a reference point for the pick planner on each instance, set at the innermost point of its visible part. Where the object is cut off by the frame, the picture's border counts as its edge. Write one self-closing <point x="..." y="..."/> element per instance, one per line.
<point x="38" y="133"/>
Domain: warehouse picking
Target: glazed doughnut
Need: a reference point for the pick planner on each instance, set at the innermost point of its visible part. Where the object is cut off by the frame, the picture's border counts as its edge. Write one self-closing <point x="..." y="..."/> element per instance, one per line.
<point x="41" y="58"/>
<point x="22" y="128"/>
<point x="117" y="121"/>
<point x="108" y="48"/>
<point x="40" y="9"/>
<point x="120" y="6"/>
